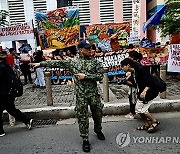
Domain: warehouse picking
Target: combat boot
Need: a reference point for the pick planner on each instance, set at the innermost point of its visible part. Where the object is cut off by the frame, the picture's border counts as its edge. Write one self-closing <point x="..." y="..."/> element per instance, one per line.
<point x="100" y="135"/>
<point x="86" y="146"/>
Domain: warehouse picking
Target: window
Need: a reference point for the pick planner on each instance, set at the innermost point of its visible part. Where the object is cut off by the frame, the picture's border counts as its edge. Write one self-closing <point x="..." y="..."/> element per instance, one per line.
<point x="106" y="11"/>
<point x="84" y="11"/>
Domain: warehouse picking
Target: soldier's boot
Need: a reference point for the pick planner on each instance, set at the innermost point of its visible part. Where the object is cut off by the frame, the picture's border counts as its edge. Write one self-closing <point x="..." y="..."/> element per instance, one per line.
<point x="100" y="135"/>
<point x="86" y="146"/>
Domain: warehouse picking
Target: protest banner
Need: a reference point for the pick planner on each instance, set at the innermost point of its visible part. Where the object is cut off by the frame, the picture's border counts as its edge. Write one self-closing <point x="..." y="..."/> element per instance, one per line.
<point x="174" y="58"/>
<point x="153" y="56"/>
<point x="109" y="37"/>
<point x="17" y="32"/>
<point x="112" y="62"/>
<point x="59" y="28"/>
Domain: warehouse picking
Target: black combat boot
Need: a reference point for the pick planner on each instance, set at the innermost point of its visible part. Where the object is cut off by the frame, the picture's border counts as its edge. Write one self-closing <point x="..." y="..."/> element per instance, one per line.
<point x="100" y="135"/>
<point x="86" y="146"/>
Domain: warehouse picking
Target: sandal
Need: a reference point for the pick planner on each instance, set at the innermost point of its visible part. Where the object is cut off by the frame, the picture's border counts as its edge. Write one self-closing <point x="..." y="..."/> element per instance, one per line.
<point x="144" y="127"/>
<point x="153" y="126"/>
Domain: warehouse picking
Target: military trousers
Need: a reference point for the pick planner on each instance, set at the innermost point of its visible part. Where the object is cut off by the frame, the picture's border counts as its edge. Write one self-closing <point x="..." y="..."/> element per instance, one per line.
<point x="82" y="115"/>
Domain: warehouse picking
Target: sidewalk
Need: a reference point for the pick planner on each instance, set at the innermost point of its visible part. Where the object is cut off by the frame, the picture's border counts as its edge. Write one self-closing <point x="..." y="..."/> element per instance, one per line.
<point x="34" y="101"/>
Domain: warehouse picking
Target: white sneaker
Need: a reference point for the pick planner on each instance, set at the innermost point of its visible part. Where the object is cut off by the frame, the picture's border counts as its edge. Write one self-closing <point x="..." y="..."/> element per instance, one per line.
<point x="12" y="123"/>
<point x="29" y="125"/>
<point x="130" y="116"/>
<point x="1" y="135"/>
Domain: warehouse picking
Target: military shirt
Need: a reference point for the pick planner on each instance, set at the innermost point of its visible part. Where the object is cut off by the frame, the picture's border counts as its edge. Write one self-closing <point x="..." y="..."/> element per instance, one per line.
<point x="90" y="67"/>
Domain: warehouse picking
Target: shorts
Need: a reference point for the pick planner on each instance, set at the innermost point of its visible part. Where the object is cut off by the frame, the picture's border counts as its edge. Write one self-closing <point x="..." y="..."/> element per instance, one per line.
<point x="141" y="107"/>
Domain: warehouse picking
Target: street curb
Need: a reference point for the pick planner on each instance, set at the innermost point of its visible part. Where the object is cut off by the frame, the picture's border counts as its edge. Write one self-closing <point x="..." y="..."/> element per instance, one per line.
<point x="50" y="112"/>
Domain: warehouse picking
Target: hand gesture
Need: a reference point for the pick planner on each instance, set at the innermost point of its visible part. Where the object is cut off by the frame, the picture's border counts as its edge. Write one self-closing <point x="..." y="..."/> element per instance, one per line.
<point x="80" y="76"/>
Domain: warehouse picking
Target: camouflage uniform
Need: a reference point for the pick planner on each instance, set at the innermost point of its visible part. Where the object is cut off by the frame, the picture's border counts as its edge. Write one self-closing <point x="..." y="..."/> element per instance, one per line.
<point x="86" y="90"/>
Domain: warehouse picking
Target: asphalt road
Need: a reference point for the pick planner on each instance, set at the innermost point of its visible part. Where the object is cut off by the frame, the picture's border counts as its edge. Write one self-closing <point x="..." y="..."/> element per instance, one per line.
<point x="121" y="137"/>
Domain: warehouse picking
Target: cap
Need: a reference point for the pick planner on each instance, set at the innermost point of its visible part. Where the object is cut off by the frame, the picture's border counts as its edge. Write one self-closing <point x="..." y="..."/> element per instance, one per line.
<point x="84" y="44"/>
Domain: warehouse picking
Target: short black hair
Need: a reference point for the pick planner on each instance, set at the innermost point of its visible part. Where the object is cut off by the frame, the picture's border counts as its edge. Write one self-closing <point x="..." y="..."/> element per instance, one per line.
<point x="135" y="55"/>
<point x="127" y="61"/>
<point x="11" y="50"/>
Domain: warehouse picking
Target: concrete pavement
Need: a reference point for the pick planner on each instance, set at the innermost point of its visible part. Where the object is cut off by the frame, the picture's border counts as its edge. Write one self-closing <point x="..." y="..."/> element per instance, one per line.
<point x="34" y="101"/>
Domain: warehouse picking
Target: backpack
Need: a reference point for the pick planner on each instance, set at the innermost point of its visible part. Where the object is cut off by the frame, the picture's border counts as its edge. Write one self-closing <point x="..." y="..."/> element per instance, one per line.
<point x="159" y="84"/>
<point x="15" y="84"/>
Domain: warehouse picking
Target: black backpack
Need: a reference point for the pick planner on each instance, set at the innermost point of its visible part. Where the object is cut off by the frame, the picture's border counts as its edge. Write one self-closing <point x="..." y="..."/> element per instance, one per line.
<point x="159" y="84"/>
<point x="15" y="84"/>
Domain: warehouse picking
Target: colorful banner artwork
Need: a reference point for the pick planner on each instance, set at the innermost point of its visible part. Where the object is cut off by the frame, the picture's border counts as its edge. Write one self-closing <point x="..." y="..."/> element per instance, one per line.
<point x="154" y="56"/>
<point x="17" y="32"/>
<point x="109" y="37"/>
<point x="59" y="28"/>
<point x="174" y="58"/>
<point x="136" y="8"/>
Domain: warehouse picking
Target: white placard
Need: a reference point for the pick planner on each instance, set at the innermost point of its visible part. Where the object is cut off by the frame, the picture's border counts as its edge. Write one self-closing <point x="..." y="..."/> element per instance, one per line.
<point x="18" y="32"/>
<point x="174" y="58"/>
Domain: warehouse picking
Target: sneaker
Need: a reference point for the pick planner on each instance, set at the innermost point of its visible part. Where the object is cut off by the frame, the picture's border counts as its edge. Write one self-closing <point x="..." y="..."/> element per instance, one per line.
<point x="130" y="116"/>
<point x="29" y="125"/>
<point x="12" y="123"/>
<point x="86" y="146"/>
<point x="2" y="134"/>
<point x="100" y="135"/>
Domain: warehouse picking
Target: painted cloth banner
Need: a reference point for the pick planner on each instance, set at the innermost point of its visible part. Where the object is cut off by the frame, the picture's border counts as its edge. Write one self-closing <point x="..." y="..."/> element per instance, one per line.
<point x="17" y="32"/>
<point x="174" y="58"/>
<point x="109" y="37"/>
<point x="136" y="12"/>
<point x="153" y="56"/>
<point x="59" y="28"/>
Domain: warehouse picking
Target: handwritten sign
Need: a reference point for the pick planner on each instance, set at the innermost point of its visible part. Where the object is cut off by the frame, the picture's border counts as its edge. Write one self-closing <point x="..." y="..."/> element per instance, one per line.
<point x="17" y="32"/>
<point x="174" y="58"/>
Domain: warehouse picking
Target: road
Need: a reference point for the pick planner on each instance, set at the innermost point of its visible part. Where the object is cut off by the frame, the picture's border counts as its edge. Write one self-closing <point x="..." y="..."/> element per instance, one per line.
<point x="121" y="137"/>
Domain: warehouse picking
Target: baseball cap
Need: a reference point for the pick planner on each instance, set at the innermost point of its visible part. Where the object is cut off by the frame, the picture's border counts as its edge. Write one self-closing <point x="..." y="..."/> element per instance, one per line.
<point x="84" y="44"/>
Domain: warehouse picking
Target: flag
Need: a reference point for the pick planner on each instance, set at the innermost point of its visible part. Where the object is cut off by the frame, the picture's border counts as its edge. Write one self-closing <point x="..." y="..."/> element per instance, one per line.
<point x="155" y="19"/>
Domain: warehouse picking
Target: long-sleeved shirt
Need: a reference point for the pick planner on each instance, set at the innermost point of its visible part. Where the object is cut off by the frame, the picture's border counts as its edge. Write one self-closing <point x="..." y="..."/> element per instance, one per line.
<point x="90" y="67"/>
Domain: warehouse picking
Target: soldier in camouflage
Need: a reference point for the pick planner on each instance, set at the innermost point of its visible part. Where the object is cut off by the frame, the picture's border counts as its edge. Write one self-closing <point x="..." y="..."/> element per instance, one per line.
<point x="86" y="71"/>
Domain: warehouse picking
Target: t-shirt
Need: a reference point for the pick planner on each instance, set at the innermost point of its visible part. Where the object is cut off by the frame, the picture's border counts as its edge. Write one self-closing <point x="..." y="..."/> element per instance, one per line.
<point x="10" y="60"/>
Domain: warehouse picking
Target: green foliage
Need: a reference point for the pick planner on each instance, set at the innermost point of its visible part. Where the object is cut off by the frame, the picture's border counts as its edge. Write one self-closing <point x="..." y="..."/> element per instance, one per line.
<point x="170" y="22"/>
<point x="3" y="15"/>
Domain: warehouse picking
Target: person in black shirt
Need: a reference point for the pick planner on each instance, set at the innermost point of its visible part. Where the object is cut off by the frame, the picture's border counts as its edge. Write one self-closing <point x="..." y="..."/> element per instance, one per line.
<point x="146" y="93"/>
<point x="6" y="99"/>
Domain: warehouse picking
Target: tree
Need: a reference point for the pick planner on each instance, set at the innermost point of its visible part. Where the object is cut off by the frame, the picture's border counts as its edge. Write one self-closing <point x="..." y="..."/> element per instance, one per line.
<point x="170" y="22"/>
<point x="3" y="15"/>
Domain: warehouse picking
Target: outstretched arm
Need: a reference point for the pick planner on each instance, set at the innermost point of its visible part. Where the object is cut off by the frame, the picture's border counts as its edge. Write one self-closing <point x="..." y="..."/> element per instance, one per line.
<point x="53" y="63"/>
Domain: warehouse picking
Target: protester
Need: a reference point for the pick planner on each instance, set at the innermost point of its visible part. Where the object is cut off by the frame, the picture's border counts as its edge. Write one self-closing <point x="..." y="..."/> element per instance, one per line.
<point x="86" y="71"/>
<point x="146" y="93"/>
<point x="7" y="100"/>
<point x="25" y="67"/>
<point x="136" y="57"/>
<point x="39" y="81"/>
<point x="10" y="59"/>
